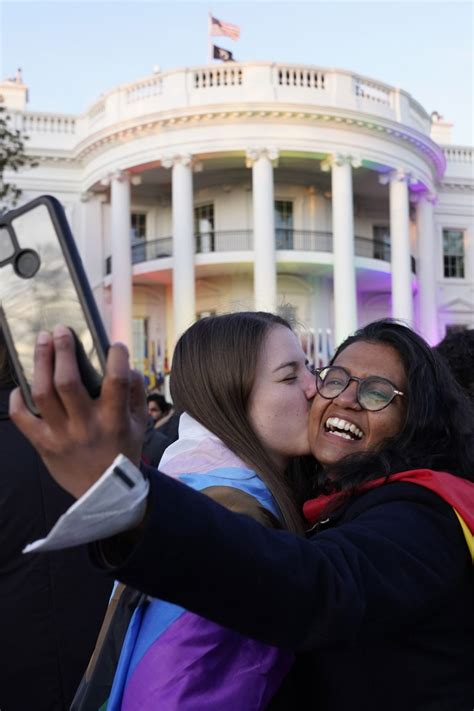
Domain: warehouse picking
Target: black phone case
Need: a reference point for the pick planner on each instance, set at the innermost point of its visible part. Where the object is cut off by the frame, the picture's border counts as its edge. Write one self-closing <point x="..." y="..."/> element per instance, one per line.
<point x="90" y="377"/>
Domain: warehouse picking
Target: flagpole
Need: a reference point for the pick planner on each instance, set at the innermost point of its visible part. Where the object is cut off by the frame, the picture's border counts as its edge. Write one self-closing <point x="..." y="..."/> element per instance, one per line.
<point x="209" y="41"/>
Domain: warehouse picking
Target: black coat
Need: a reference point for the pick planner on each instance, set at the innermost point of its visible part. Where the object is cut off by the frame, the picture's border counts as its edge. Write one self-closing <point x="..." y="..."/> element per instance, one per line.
<point x="154" y="445"/>
<point x="379" y="605"/>
<point x="51" y="604"/>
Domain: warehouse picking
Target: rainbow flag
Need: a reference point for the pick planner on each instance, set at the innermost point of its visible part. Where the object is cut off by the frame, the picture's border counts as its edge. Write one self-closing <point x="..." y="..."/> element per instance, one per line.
<point x="171" y="658"/>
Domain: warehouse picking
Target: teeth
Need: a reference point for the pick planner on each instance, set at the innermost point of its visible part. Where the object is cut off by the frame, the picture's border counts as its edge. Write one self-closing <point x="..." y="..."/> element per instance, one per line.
<point x="343" y="426"/>
<point x="341" y="434"/>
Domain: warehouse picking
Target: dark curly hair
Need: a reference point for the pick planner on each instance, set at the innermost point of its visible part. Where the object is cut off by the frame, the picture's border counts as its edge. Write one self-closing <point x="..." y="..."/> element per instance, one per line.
<point x="439" y="428"/>
<point x="457" y="349"/>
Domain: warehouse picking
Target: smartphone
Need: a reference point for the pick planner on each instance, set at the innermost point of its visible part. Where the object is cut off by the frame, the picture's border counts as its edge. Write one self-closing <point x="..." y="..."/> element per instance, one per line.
<point x="43" y="284"/>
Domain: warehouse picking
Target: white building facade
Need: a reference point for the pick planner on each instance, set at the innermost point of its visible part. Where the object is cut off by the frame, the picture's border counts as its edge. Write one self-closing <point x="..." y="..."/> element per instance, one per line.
<point x="330" y="197"/>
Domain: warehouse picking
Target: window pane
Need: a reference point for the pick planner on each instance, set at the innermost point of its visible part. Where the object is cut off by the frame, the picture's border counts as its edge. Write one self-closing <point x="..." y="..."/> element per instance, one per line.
<point x="453" y="242"/>
<point x="138" y="225"/>
<point x="140" y="342"/>
<point x="204" y="218"/>
<point x="283" y="214"/>
<point x="284" y="224"/>
<point x="381" y="233"/>
<point x="453" y="253"/>
<point x="381" y="239"/>
<point x="204" y="227"/>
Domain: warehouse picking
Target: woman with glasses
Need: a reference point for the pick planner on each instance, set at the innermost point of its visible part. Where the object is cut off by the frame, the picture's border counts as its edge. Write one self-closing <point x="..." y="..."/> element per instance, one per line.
<point x="377" y="602"/>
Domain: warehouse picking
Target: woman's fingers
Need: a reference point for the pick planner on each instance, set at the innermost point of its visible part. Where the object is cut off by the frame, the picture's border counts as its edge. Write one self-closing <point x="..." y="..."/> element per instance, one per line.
<point x="31" y="426"/>
<point x="43" y="389"/>
<point x="138" y="397"/>
<point x="123" y="402"/>
<point x="115" y="394"/>
<point x="67" y="380"/>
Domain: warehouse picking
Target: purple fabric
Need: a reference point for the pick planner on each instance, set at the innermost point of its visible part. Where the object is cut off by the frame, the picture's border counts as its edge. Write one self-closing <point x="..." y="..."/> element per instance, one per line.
<point x="197" y="665"/>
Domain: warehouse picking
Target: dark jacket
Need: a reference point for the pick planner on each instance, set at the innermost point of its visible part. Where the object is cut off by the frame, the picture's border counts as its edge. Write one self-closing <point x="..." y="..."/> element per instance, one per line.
<point x="378" y="602"/>
<point x="154" y="445"/>
<point x="51" y="604"/>
<point x="170" y="428"/>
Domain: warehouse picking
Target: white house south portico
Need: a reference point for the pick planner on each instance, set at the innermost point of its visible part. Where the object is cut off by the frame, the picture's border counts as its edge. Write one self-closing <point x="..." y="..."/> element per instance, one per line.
<point x="266" y="186"/>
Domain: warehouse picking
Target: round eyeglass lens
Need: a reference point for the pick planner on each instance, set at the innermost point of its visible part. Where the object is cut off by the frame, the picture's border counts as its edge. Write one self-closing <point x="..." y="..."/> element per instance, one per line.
<point x="332" y="381"/>
<point x="375" y="393"/>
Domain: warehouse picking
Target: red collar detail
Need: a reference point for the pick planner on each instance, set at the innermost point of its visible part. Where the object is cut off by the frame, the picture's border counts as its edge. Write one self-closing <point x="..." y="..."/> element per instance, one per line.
<point x="457" y="492"/>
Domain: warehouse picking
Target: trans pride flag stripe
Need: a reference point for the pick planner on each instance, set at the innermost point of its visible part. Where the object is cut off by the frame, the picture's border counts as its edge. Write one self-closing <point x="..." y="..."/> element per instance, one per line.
<point x="174" y="660"/>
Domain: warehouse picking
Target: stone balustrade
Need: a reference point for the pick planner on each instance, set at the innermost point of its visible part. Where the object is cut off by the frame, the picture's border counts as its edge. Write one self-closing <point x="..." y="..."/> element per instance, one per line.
<point x="226" y="86"/>
<point x="34" y="122"/>
<point x="217" y="77"/>
<point x="459" y="154"/>
<point x="459" y="165"/>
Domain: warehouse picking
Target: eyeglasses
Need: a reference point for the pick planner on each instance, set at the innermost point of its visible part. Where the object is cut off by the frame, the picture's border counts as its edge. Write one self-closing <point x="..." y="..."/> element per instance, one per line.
<point x="373" y="393"/>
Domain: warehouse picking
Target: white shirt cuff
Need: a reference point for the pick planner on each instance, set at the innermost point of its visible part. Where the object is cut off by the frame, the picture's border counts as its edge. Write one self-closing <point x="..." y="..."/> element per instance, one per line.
<point x="115" y="503"/>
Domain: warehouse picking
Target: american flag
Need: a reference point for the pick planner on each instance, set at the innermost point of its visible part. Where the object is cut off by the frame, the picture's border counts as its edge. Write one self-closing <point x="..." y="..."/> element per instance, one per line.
<point x="219" y="28"/>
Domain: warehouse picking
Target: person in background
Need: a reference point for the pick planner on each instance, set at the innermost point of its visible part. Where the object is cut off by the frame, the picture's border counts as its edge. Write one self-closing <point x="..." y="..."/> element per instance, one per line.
<point x="163" y="414"/>
<point x="457" y="349"/>
<point x="154" y="444"/>
<point x="52" y="606"/>
<point x="244" y="387"/>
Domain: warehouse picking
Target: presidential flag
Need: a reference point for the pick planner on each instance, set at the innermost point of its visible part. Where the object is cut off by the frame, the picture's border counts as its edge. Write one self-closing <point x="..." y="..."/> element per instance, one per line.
<point x="219" y="28"/>
<point x="223" y="54"/>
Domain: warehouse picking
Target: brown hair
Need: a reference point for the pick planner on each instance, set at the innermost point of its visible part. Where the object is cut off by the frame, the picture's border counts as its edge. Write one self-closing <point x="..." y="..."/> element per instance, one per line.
<point x="212" y="376"/>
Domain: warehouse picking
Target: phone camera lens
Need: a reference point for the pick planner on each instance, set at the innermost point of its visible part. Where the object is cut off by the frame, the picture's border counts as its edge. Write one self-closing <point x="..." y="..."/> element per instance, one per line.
<point x="27" y="263"/>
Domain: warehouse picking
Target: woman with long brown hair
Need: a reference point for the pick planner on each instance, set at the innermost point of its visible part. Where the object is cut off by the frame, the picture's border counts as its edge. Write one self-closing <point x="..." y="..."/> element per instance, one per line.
<point x="245" y="389"/>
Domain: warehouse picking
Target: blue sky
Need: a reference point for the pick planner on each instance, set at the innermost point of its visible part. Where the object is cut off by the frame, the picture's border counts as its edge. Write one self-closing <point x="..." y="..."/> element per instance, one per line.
<point x="71" y="52"/>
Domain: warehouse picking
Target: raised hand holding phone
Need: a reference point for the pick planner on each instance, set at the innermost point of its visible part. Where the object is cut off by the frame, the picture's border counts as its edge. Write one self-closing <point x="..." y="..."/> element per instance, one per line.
<point x="43" y="284"/>
<point x="78" y="437"/>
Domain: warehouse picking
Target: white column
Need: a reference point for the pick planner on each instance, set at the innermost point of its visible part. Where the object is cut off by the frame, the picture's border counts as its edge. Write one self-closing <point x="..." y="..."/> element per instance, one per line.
<point x="345" y="291"/>
<point x="184" y="289"/>
<point x="426" y="269"/>
<point x="121" y="259"/>
<point x="91" y="247"/>
<point x="265" y="270"/>
<point x="91" y="240"/>
<point x="402" y="298"/>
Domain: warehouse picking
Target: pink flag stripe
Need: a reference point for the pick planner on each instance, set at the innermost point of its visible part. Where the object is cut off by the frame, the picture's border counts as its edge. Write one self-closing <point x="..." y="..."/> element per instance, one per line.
<point x="224" y="28"/>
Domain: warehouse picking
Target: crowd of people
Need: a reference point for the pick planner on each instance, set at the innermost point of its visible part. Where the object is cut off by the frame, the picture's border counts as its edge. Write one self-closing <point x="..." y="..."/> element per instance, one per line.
<point x="234" y="593"/>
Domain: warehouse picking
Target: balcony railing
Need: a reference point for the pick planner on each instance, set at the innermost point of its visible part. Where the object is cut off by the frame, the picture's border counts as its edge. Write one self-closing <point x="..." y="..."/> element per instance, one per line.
<point x="303" y="240"/>
<point x="377" y="249"/>
<point x="242" y="241"/>
<point x="224" y="241"/>
<point x="145" y="251"/>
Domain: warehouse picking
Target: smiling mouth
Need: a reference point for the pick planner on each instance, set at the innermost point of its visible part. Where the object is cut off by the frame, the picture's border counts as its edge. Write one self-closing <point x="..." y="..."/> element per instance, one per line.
<point x="342" y="428"/>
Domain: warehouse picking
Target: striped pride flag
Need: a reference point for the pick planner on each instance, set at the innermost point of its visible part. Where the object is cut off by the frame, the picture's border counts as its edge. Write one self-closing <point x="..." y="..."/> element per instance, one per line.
<point x="219" y="28"/>
<point x="152" y="654"/>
